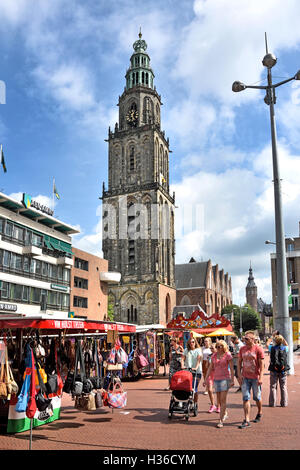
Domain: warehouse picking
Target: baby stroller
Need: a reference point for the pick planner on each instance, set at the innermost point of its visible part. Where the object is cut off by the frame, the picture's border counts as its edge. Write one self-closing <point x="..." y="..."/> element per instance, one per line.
<point x="183" y="384"/>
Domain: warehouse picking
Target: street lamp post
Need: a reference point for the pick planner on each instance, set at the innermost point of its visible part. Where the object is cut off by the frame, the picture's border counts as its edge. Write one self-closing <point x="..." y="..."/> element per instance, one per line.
<point x="241" y="318"/>
<point x="282" y="320"/>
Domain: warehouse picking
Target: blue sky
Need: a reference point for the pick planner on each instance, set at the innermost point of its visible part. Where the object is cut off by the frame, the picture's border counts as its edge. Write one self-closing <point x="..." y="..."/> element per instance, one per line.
<point x="63" y="63"/>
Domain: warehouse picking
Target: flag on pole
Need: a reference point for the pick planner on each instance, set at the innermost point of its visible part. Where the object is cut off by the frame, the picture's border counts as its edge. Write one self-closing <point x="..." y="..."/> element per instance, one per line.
<point x="55" y="191"/>
<point x="2" y="160"/>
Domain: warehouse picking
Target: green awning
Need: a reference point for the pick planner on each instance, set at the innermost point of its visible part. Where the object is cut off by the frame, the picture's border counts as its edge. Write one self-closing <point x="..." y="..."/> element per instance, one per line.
<point x="48" y="245"/>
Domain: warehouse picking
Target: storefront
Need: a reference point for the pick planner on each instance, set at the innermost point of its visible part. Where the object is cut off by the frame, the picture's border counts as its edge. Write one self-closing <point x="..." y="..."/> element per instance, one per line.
<point x="55" y="336"/>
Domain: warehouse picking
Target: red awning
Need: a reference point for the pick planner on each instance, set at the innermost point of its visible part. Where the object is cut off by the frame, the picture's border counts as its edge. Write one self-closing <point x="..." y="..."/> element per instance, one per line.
<point x="71" y="325"/>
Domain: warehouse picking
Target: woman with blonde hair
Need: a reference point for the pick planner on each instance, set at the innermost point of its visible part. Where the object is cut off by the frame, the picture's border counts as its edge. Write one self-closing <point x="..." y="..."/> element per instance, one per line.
<point x="193" y="360"/>
<point x="222" y="367"/>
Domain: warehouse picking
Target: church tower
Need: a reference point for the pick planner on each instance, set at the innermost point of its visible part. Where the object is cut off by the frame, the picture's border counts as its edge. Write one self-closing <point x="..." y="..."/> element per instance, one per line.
<point x="251" y="291"/>
<point x="138" y="210"/>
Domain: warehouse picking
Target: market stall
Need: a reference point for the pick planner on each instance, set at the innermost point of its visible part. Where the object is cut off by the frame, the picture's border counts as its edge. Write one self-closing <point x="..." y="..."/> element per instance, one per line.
<point x="201" y="324"/>
<point x="58" y="341"/>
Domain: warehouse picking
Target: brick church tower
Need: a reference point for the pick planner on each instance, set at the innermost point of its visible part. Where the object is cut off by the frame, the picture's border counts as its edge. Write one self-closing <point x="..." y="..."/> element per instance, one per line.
<point x="251" y="291"/>
<point x="138" y="210"/>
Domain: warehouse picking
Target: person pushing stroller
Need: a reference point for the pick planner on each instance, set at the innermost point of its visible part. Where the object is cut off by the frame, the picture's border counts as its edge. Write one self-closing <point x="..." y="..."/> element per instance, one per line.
<point x="192" y="359"/>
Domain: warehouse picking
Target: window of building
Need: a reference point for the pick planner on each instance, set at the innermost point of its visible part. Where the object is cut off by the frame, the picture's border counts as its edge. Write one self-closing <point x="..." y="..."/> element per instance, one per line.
<point x="80" y="283"/>
<point x="81" y="302"/>
<point x="131" y="159"/>
<point x="132" y="314"/>
<point x="81" y="264"/>
<point x="35" y="295"/>
<point x="4" y="290"/>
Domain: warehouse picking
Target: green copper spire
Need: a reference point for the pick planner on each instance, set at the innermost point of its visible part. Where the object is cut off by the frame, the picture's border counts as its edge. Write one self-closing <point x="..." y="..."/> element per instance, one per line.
<point x="139" y="72"/>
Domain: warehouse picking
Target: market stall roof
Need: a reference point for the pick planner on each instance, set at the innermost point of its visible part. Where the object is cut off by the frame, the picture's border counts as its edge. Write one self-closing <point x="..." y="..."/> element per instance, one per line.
<point x="143" y="328"/>
<point x="221" y="332"/>
<point x="200" y="323"/>
<point x="71" y="325"/>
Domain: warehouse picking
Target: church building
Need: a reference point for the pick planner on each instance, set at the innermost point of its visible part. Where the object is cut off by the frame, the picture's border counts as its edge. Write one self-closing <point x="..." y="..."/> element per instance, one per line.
<point x="138" y="209"/>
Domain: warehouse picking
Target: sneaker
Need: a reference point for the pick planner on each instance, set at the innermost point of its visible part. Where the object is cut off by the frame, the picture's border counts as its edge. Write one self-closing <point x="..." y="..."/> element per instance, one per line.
<point x="225" y="416"/>
<point x="245" y="424"/>
<point x="218" y="410"/>
<point x="219" y="425"/>
<point x="257" y="418"/>
<point x="205" y="393"/>
<point x="212" y="408"/>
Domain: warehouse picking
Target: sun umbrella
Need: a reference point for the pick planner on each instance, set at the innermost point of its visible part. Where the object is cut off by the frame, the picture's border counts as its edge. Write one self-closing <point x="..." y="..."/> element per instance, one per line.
<point x="197" y="335"/>
<point x="221" y="332"/>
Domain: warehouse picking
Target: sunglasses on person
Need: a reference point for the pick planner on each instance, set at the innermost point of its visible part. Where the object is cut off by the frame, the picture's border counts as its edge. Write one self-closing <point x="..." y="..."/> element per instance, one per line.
<point x="219" y="347"/>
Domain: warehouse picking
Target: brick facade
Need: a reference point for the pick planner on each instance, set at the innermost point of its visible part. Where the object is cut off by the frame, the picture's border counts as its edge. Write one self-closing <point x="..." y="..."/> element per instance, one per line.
<point x="214" y="293"/>
<point x="96" y="291"/>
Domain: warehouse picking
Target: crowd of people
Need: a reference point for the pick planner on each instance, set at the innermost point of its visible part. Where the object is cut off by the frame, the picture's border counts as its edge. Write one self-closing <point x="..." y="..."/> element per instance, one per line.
<point x="220" y="362"/>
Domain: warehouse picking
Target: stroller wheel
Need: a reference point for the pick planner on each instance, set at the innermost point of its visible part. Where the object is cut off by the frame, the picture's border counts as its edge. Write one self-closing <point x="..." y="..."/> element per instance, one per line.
<point x="170" y="415"/>
<point x="195" y="409"/>
<point x="187" y="417"/>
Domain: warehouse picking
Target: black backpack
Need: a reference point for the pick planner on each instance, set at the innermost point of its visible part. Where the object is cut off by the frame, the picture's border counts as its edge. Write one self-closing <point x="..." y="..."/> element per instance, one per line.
<point x="278" y="360"/>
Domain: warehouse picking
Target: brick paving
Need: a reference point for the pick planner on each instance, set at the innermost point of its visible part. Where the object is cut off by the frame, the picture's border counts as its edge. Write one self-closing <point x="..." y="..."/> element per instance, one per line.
<point x="144" y="424"/>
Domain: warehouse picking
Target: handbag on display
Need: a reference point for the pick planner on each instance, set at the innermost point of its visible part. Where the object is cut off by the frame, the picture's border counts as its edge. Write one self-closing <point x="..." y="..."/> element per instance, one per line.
<point x="86" y="402"/>
<point x="77" y="387"/>
<point x="141" y="360"/>
<point x="51" y="384"/>
<point x="67" y="388"/>
<point x="42" y="402"/>
<point x="97" y="379"/>
<point x="12" y="386"/>
<point x="98" y="399"/>
<point x="116" y="397"/>
<point x="3" y="386"/>
<point x="60" y="384"/>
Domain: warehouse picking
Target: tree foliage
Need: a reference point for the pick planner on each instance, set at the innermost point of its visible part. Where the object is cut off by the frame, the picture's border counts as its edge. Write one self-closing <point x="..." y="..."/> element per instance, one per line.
<point x="250" y="318"/>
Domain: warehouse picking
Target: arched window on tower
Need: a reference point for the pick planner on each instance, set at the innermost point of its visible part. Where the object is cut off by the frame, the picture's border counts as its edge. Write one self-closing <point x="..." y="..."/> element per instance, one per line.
<point x="131" y="159"/>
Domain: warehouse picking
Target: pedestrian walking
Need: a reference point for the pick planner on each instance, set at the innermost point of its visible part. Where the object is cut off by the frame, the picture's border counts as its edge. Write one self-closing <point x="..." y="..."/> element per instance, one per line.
<point x="222" y="367"/>
<point x="278" y="371"/>
<point x="237" y="345"/>
<point x="207" y="353"/>
<point x="175" y="358"/>
<point x="192" y="357"/>
<point x="210" y="384"/>
<point x="250" y="371"/>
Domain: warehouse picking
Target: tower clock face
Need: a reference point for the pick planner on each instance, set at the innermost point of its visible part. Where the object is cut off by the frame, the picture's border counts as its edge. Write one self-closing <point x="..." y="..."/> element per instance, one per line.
<point x="132" y="117"/>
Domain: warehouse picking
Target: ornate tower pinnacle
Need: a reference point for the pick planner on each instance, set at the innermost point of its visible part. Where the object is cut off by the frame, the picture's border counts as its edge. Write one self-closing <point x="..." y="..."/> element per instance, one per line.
<point x="139" y="72"/>
<point x="251" y="290"/>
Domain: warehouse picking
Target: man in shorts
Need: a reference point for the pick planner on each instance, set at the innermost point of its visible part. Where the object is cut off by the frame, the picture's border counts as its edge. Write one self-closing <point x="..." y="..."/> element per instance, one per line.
<point x="250" y="372"/>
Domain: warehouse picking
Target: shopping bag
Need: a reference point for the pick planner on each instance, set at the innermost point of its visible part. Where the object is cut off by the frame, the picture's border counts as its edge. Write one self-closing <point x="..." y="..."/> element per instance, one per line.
<point x="31" y="406"/>
<point x="24" y="395"/>
<point x="116" y="397"/>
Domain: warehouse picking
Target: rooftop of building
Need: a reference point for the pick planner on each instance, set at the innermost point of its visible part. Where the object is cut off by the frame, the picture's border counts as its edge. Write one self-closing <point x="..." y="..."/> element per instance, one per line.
<point x="36" y="215"/>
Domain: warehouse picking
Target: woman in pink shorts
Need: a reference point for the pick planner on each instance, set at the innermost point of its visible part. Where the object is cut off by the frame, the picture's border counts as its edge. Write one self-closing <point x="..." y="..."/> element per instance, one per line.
<point x="210" y="384"/>
<point x="222" y="367"/>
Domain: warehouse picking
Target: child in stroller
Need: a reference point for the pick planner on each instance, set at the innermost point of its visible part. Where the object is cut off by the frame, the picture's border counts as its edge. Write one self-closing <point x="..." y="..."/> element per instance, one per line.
<point x="183" y="385"/>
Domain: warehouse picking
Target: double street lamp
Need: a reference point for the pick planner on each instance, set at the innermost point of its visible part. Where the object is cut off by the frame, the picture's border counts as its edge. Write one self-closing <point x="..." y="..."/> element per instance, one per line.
<point x="241" y="317"/>
<point x="282" y="320"/>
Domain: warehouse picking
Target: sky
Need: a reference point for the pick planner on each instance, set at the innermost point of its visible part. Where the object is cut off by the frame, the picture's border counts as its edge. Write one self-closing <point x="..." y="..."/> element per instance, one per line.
<point x="63" y="65"/>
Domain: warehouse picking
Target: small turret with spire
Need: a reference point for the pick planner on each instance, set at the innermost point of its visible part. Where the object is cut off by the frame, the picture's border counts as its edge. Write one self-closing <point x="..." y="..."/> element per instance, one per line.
<point x="251" y="290"/>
